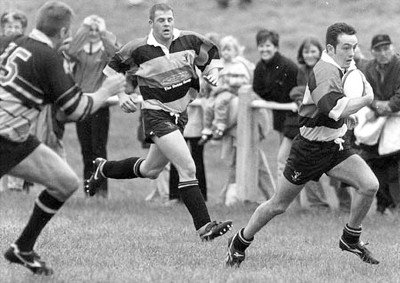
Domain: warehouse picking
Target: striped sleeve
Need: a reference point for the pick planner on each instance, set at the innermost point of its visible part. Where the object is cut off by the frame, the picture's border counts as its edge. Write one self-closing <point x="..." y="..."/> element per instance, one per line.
<point x="327" y="91"/>
<point x="61" y="89"/>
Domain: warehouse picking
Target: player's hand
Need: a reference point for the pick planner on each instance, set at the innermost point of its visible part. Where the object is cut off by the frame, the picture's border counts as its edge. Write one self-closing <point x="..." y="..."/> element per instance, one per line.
<point x="114" y="84"/>
<point x="204" y="139"/>
<point x="383" y="108"/>
<point x="352" y="121"/>
<point x="218" y="134"/>
<point x="212" y="77"/>
<point x="128" y="103"/>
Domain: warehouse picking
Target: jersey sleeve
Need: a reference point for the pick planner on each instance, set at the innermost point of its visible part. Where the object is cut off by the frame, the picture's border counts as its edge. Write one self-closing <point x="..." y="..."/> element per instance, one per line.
<point x="327" y="92"/>
<point x="122" y="61"/>
<point x="207" y="55"/>
<point x="60" y="88"/>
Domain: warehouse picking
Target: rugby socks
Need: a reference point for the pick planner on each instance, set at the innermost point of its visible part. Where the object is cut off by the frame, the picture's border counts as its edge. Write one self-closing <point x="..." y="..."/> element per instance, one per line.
<point x="194" y="201"/>
<point x="240" y="242"/>
<point x="123" y="169"/>
<point x="351" y="235"/>
<point x="45" y="207"/>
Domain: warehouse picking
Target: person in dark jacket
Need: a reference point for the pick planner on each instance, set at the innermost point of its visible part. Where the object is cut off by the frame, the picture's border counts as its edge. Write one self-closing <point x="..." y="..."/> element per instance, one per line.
<point x="274" y="77"/>
<point x="383" y="73"/>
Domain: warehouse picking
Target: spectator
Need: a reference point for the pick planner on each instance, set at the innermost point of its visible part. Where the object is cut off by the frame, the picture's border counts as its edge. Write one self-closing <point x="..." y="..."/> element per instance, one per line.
<point x="274" y="77"/>
<point x="13" y="22"/>
<point x="89" y="51"/>
<point x="230" y="51"/>
<point x="221" y="114"/>
<point x="308" y="54"/>
<point x="383" y="73"/>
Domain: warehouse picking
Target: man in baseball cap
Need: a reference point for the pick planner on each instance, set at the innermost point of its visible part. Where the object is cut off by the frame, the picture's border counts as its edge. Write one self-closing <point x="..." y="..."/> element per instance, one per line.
<point x="380" y="40"/>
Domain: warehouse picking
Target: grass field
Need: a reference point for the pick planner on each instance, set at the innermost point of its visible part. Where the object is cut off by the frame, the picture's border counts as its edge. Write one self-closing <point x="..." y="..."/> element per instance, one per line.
<point x="124" y="239"/>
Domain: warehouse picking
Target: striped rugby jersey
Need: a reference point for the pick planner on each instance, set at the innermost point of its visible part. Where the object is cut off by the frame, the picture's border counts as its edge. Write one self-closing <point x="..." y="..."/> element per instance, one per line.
<point x="323" y="102"/>
<point x="167" y="79"/>
<point x="32" y="74"/>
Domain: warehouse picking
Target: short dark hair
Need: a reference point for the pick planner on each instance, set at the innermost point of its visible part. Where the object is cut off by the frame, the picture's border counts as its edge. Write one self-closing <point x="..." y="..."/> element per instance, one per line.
<point x="53" y="16"/>
<point x="306" y="43"/>
<point x="14" y="16"/>
<point x="333" y="32"/>
<point x="265" y="34"/>
<point x="159" y="7"/>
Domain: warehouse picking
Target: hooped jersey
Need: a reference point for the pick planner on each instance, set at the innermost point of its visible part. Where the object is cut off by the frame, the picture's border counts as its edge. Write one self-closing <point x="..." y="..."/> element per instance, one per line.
<point x="166" y="78"/>
<point x="32" y="74"/>
<point x="323" y="103"/>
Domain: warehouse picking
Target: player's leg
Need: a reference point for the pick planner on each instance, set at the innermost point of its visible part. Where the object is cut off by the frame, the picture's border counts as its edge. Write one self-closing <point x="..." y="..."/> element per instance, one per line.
<point x="280" y="201"/>
<point x="45" y="167"/>
<point x="154" y="123"/>
<point x="355" y="172"/>
<point x="174" y="147"/>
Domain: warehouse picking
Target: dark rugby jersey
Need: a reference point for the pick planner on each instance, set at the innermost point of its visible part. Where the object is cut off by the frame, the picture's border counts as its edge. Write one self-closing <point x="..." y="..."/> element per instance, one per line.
<point x="323" y="103"/>
<point x="32" y="74"/>
<point x="167" y="79"/>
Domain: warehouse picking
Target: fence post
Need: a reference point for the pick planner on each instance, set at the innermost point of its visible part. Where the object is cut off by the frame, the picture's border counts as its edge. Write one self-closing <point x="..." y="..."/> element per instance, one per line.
<point x="246" y="167"/>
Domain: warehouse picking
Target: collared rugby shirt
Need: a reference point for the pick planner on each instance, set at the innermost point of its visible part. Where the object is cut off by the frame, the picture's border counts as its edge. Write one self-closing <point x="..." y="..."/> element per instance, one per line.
<point x="167" y="78"/>
<point x="32" y="74"/>
<point x="323" y="103"/>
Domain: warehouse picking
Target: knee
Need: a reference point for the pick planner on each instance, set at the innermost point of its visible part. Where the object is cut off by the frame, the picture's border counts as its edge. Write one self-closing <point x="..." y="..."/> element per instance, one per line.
<point x="151" y="174"/>
<point x="277" y="207"/>
<point x="370" y="188"/>
<point x="188" y="172"/>
<point x="66" y="187"/>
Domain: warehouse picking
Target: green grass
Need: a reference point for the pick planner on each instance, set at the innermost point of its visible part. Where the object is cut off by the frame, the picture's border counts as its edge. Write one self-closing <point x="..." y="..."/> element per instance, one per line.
<point x="124" y="239"/>
<point x="128" y="240"/>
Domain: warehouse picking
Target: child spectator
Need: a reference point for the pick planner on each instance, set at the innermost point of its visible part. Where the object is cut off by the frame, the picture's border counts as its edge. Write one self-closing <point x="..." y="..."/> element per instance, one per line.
<point x="235" y="74"/>
<point x="13" y="23"/>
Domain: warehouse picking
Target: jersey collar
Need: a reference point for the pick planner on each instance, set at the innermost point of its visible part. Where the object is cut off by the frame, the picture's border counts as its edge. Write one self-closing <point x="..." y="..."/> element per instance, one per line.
<point x="40" y="36"/>
<point x="325" y="57"/>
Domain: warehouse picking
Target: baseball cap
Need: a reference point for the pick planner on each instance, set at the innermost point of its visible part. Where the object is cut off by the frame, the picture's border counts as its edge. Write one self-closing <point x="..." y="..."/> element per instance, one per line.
<point x="380" y="39"/>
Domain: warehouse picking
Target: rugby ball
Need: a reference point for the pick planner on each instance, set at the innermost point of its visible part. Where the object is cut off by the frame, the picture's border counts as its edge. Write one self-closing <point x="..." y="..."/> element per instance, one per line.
<point x="353" y="83"/>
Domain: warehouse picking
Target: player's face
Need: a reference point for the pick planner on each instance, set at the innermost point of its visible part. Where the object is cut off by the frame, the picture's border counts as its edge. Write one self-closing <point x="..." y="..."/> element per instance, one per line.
<point x="383" y="54"/>
<point x="163" y="26"/>
<point x="13" y="27"/>
<point x="343" y="54"/>
<point x="311" y="55"/>
<point x="267" y="50"/>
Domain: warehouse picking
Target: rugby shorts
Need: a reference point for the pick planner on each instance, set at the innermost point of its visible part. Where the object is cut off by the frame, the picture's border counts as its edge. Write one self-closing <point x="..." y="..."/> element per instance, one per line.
<point x="160" y="123"/>
<point x="308" y="160"/>
<point x="12" y="153"/>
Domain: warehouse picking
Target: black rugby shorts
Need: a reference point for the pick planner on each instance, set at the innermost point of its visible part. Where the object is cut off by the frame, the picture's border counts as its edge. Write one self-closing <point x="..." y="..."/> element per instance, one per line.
<point x="160" y="123"/>
<point x="12" y="153"/>
<point x="308" y="160"/>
